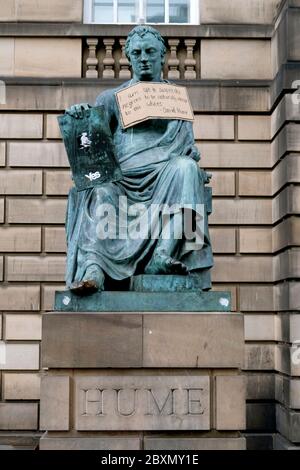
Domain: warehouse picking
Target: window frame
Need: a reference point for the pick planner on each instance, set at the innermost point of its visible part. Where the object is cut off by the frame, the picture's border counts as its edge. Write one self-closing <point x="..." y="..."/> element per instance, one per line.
<point x="194" y="13"/>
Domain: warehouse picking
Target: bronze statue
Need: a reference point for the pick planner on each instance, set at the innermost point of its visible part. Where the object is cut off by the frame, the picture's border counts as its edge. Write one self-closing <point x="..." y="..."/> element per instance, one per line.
<point x="158" y="159"/>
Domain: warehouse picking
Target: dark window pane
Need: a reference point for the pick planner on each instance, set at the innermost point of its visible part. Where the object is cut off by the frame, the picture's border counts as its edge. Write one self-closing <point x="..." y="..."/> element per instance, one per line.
<point x="155" y="11"/>
<point x="127" y="11"/>
<point x="179" y="11"/>
<point x="103" y="11"/>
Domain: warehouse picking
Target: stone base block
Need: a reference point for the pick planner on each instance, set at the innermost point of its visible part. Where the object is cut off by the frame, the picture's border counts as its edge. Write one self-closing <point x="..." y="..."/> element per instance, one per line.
<point x="132" y="340"/>
<point x="117" y="381"/>
<point x="62" y="441"/>
<point x="288" y="423"/>
<point x="156" y="400"/>
<point x="259" y="441"/>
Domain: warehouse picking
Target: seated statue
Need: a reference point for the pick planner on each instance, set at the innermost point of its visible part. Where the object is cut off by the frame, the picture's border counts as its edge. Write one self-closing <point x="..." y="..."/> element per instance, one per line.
<point x="159" y="163"/>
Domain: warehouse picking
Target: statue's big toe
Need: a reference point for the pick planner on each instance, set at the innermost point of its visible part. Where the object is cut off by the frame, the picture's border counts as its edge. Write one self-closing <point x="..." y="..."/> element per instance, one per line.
<point x="92" y="282"/>
<point x="85" y="287"/>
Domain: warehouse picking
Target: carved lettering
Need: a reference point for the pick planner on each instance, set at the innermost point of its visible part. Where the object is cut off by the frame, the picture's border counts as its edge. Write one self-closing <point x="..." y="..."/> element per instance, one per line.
<point x="159" y="403"/>
<point x="93" y="402"/>
<point x="142" y="402"/>
<point x="194" y="401"/>
<point x="131" y="409"/>
<point x="169" y="400"/>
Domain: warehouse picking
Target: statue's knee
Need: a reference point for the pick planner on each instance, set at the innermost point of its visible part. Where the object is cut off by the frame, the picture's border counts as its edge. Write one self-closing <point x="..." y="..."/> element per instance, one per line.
<point x="185" y="164"/>
<point x="104" y="192"/>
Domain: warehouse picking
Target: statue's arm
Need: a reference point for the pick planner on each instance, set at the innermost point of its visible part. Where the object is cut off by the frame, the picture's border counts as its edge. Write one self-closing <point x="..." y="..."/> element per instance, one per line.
<point x="108" y="101"/>
<point x="192" y="150"/>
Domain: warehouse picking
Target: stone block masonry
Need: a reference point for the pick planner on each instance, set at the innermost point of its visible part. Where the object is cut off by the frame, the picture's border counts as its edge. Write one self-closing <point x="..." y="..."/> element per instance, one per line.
<point x="143" y="376"/>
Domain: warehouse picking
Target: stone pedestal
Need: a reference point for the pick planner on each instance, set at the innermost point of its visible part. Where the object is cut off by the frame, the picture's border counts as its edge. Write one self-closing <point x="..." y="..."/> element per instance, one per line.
<point x="135" y="379"/>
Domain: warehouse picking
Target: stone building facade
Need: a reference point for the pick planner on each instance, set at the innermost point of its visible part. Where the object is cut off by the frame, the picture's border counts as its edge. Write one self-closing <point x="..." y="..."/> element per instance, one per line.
<point x="241" y="66"/>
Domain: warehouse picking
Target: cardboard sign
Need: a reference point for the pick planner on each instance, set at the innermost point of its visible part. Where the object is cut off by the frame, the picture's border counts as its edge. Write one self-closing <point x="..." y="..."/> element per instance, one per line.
<point x="90" y="148"/>
<point x="153" y="100"/>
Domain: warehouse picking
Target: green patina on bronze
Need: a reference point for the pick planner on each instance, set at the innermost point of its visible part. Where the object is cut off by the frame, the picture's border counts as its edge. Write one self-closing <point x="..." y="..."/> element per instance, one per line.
<point x="167" y="283"/>
<point x="181" y="301"/>
<point x="159" y="163"/>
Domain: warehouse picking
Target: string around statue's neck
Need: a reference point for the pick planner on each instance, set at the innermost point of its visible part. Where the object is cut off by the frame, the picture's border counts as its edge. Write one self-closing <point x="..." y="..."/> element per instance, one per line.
<point x="133" y="81"/>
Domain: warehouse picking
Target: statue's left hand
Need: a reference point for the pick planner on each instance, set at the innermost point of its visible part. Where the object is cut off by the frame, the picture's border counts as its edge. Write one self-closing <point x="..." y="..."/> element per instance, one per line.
<point x="76" y="110"/>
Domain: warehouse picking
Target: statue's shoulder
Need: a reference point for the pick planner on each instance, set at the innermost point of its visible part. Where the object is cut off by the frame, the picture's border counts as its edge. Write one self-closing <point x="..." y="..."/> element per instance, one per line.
<point x="107" y="97"/>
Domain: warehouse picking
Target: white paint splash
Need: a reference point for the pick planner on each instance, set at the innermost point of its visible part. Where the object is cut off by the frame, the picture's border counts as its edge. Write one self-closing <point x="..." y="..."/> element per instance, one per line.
<point x="66" y="300"/>
<point x="224" y="302"/>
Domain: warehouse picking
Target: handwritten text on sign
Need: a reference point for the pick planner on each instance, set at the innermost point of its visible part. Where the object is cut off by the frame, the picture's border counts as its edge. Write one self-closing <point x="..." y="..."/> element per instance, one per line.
<point x="151" y="100"/>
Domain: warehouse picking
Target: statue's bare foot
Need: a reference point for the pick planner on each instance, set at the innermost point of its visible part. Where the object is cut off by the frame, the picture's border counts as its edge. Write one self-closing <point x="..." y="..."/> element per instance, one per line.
<point x="164" y="264"/>
<point x="93" y="281"/>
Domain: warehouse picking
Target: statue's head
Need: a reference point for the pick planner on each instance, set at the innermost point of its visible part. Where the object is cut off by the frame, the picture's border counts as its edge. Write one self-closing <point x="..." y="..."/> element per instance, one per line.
<point x="145" y="50"/>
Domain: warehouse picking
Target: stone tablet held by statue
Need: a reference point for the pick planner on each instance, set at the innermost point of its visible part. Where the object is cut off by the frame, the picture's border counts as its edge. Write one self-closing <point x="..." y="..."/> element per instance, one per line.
<point x="90" y="148"/>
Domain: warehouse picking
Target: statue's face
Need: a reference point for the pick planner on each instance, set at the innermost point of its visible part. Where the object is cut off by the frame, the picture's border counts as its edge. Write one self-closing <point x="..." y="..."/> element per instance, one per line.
<point x="145" y="57"/>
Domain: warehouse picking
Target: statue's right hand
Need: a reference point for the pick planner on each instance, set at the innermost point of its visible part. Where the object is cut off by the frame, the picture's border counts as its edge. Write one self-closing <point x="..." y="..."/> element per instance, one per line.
<point x="76" y="110"/>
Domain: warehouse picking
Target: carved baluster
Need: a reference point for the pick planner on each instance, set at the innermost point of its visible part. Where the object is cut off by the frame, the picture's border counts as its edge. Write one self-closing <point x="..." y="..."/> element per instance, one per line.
<point x="173" y="62"/>
<point x="92" y="61"/>
<point x="108" y="61"/>
<point x="124" y="62"/>
<point x="190" y="62"/>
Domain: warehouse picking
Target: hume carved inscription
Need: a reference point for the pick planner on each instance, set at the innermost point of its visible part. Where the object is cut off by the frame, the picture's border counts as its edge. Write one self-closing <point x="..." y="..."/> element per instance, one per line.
<point x="142" y="403"/>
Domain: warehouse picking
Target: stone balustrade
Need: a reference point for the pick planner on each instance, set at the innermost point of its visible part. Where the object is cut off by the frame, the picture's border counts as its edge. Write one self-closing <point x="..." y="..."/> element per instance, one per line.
<point x="104" y="57"/>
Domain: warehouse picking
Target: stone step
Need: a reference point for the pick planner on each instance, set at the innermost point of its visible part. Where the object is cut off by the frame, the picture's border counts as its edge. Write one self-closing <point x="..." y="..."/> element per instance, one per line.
<point x="281" y="443"/>
<point x="19" y="440"/>
<point x="54" y="441"/>
<point x="185" y="301"/>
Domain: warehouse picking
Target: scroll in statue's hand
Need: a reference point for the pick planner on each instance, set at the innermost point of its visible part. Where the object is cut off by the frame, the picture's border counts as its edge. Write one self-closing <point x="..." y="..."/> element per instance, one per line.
<point x="76" y="110"/>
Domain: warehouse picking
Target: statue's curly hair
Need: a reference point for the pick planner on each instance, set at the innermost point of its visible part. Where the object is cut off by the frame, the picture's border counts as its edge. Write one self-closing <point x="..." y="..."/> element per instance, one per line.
<point x="141" y="30"/>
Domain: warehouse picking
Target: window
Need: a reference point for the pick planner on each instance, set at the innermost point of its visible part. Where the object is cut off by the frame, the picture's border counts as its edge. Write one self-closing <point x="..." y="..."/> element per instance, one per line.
<point x="142" y="11"/>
